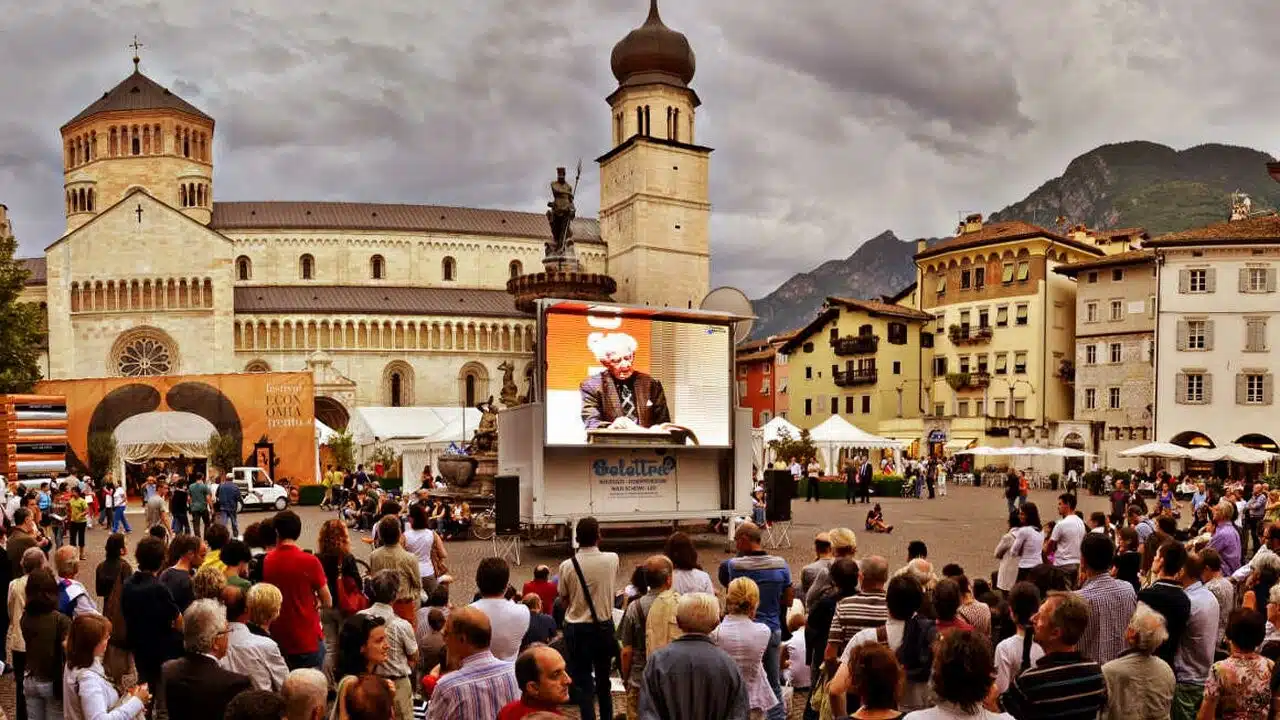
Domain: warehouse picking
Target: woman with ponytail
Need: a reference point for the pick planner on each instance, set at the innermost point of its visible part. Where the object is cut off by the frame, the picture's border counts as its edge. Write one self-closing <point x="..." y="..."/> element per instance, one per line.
<point x="1020" y="652"/>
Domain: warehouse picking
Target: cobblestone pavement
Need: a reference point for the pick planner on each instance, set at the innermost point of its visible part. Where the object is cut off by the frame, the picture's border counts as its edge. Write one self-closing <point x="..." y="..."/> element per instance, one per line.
<point x="962" y="527"/>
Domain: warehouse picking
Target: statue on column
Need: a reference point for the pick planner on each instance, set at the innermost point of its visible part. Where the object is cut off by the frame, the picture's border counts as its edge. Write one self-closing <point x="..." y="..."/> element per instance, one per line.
<point x="561" y="212"/>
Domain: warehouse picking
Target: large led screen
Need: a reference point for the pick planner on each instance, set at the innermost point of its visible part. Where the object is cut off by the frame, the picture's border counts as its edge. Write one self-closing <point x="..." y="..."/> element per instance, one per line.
<point x="615" y="378"/>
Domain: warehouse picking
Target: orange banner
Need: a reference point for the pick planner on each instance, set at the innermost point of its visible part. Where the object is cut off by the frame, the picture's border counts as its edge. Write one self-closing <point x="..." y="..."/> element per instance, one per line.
<point x="571" y="360"/>
<point x="277" y="407"/>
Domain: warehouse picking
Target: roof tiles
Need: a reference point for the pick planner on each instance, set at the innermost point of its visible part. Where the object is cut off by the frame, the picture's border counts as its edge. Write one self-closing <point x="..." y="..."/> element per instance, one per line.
<point x="138" y="92"/>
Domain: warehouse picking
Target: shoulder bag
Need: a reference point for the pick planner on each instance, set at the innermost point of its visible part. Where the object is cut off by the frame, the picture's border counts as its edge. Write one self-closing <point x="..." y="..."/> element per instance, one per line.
<point x="614" y="650"/>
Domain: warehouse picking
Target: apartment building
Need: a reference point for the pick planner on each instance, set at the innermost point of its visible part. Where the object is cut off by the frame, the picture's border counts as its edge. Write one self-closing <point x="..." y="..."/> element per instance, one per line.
<point x="762" y="378"/>
<point x="1216" y="308"/>
<point x="1113" y="366"/>
<point x="1004" y="333"/>
<point x="861" y="359"/>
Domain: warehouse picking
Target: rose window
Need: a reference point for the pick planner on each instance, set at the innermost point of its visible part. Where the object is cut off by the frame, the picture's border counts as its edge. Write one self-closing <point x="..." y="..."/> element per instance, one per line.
<point x="145" y="356"/>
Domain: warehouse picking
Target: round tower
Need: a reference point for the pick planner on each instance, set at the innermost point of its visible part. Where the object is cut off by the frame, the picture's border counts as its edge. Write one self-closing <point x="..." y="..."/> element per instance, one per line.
<point x="654" y="66"/>
<point x="138" y="135"/>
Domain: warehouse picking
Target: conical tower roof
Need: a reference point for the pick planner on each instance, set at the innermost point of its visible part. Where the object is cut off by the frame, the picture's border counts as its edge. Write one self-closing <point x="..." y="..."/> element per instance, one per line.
<point x="138" y="92"/>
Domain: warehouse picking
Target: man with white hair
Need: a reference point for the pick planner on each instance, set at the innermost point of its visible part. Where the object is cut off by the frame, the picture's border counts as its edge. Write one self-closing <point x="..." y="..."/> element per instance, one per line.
<point x="691" y="678"/>
<point x="305" y="694"/>
<point x="1139" y="684"/>
<point x="195" y="686"/>
<point x="621" y="391"/>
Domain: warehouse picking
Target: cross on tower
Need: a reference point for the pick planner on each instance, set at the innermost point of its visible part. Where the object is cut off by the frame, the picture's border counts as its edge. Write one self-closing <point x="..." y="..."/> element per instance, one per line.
<point x="137" y="47"/>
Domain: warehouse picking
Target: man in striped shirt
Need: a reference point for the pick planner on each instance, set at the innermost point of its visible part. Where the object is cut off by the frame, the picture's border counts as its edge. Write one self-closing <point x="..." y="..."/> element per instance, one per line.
<point x="482" y="684"/>
<point x="1064" y="684"/>
<point x="867" y="609"/>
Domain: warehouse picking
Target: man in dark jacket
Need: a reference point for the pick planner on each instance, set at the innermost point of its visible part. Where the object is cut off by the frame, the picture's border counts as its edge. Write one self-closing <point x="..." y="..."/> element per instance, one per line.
<point x="1012" y="489"/>
<point x="151" y="617"/>
<point x="195" y="686"/>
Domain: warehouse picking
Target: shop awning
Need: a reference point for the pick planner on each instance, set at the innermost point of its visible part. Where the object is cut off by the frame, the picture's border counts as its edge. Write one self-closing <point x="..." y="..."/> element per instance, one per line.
<point x="958" y="444"/>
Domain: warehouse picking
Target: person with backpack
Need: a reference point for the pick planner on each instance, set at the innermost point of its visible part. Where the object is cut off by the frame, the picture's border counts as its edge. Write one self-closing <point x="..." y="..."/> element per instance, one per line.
<point x="909" y="635"/>
<point x="648" y="625"/>
<point x="772" y="575"/>
<point x="73" y="598"/>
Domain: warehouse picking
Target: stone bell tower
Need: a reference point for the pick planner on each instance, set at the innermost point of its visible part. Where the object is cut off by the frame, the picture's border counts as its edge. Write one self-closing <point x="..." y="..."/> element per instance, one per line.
<point x="654" y="206"/>
<point x="138" y="134"/>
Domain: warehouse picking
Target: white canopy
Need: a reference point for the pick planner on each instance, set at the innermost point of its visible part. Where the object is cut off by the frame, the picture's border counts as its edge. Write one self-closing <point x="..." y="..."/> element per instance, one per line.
<point x="835" y="434"/>
<point x="762" y="436"/>
<point x="1232" y="453"/>
<point x="1156" y="450"/>
<point x="1067" y="452"/>
<point x="370" y="425"/>
<point x="455" y="427"/>
<point x="324" y="433"/>
<point x="980" y="450"/>
<point x="163" y="434"/>
<point x="1018" y="450"/>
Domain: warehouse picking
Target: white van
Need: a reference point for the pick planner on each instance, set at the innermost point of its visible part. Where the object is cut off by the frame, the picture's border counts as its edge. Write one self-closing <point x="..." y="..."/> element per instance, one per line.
<point x="257" y="491"/>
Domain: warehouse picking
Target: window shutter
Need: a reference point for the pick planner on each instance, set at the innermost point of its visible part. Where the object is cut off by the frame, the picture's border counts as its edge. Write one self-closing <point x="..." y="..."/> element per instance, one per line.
<point x="1271" y="280"/>
<point x="1180" y="392"/>
<point x="1242" y="388"/>
<point x="1208" y="388"/>
<point x="1208" y="334"/>
<point x="1182" y="334"/>
<point x="1211" y="280"/>
<point x="1244" y="280"/>
<point x="1184" y="281"/>
<point x="1267" y="388"/>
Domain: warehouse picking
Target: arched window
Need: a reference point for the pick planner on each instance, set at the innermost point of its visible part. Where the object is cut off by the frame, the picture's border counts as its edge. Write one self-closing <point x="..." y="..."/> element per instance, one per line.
<point x="136" y="139"/>
<point x="639" y="120"/>
<point x="244" y="268"/>
<point x="675" y="124"/>
<point x="157" y="141"/>
<point x="377" y="267"/>
<point x="73" y="202"/>
<point x="449" y="271"/>
<point x="182" y="195"/>
<point x="396" y="388"/>
<point x="307" y="267"/>
<point x="83" y="203"/>
<point x="397" y="384"/>
<point x="114" y="143"/>
<point x="199" y="195"/>
<point x="471" y="391"/>
<point x="90" y="199"/>
<point x="186" y="143"/>
<point x="648" y="129"/>
<point x="515" y="268"/>
<point x="257" y="366"/>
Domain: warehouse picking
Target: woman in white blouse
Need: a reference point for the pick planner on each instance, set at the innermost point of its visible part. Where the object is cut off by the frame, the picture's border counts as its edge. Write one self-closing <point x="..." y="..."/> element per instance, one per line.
<point x="1007" y="574"/>
<point x="1028" y="545"/>
<point x="688" y="577"/>
<point x="420" y="540"/>
<point x="86" y="692"/>
<point x="745" y="641"/>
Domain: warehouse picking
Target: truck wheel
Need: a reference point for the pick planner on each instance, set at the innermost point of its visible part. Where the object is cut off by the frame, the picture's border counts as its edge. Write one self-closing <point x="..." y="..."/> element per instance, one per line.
<point x="281" y="503"/>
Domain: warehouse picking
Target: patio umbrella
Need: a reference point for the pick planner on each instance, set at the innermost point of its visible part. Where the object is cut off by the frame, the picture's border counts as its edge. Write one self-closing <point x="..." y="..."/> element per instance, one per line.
<point x="1157" y="450"/>
<point x="1232" y="453"/>
<point x="1068" y="453"/>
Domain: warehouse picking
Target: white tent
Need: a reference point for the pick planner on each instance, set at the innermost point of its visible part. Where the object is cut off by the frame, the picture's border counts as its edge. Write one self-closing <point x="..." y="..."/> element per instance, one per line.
<point x="396" y="425"/>
<point x="1157" y="450"/>
<point x="161" y="434"/>
<point x="1232" y="453"/>
<point x="835" y="434"/>
<point x="324" y="433"/>
<point x="762" y="436"/>
<point x="455" y="428"/>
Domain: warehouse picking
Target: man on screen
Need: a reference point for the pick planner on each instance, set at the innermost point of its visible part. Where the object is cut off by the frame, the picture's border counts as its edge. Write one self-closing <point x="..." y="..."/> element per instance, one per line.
<point x="621" y="396"/>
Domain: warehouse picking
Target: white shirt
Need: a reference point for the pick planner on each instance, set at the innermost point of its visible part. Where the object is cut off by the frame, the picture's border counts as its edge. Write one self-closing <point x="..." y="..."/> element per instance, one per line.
<point x="946" y="711"/>
<point x="118" y="497"/>
<point x="1009" y="660"/>
<point x="420" y="543"/>
<point x="1067" y="534"/>
<point x="691" y="581"/>
<point x="796" y="470"/>
<point x="798" y="674"/>
<point x="1028" y="543"/>
<point x="89" y="695"/>
<point x="255" y="656"/>
<point x="508" y="622"/>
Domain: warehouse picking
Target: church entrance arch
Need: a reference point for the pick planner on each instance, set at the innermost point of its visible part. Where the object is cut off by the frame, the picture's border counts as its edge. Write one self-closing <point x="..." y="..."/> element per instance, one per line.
<point x="332" y="413"/>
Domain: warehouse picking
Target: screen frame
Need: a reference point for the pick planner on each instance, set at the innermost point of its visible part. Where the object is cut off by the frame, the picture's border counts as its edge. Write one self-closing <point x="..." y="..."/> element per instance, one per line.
<point x="675" y="315"/>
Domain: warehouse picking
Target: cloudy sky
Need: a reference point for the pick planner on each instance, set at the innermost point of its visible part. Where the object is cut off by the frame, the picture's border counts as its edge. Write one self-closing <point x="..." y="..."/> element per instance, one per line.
<point x="832" y="120"/>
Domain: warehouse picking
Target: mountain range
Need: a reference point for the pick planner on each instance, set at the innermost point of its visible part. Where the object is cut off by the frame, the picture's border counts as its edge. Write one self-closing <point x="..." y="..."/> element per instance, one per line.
<point x="1130" y="184"/>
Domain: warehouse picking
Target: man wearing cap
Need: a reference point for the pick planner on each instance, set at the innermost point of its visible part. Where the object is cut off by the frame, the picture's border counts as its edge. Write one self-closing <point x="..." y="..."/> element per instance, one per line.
<point x="773" y="576"/>
<point x="843" y="544"/>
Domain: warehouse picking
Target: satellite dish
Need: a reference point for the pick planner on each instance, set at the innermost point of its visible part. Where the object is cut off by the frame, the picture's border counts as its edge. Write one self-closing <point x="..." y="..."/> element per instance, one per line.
<point x="733" y="301"/>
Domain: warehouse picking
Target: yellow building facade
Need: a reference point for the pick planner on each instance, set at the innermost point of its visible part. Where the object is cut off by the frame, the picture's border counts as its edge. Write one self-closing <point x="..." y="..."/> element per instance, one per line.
<point x="1003" y="325"/>
<point x="861" y="359"/>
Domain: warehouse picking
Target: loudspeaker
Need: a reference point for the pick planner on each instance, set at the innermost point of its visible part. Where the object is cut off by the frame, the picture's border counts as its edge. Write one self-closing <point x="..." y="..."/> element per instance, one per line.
<point x="779" y="488"/>
<point x="506" y="504"/>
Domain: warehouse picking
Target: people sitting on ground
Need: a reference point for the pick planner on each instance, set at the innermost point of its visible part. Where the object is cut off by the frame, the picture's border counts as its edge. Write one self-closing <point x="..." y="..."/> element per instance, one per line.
<point x="875" y="521"/>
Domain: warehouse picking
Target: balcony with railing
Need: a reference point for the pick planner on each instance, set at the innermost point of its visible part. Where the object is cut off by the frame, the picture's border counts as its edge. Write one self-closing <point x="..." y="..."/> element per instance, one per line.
<point x="968" y="380"/>
<point x="1000" y="426"/>
<point x="970" y="335"/>
<point x="856" y="344"/>
<point x="855" y="377"/>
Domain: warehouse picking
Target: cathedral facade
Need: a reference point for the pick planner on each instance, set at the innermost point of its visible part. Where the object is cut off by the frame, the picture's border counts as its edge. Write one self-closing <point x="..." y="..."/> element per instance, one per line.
<point x="389" y="305"/>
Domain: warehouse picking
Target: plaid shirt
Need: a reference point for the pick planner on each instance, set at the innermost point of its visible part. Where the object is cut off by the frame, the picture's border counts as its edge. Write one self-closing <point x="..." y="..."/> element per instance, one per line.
<point x="1111" y="604"/>
<point x="478" y="689"/>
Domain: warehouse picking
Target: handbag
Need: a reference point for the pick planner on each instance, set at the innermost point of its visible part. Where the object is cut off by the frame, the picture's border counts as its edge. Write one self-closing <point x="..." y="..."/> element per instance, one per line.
<point x="351" y="595"/>
<point x="614" y="650"/>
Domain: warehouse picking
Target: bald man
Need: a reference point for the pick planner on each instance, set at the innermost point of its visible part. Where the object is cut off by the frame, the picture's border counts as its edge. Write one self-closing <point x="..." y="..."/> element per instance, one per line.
<point x="544" y="683"/>
<point x="821" y="562"/>
<point x="482" y="685"/>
